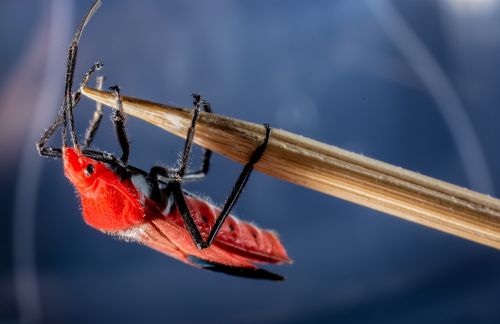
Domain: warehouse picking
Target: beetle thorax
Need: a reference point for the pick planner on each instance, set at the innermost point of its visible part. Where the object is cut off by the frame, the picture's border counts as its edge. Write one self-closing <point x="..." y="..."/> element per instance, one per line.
<point x="110" y="207"/>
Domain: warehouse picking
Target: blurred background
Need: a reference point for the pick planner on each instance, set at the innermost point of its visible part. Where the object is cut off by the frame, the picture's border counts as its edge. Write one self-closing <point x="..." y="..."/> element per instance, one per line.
<point x="412" y="83"/>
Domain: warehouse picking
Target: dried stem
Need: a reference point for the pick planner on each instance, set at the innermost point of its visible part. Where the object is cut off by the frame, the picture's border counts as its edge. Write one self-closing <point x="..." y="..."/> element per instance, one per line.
<point x="333" y="171"/>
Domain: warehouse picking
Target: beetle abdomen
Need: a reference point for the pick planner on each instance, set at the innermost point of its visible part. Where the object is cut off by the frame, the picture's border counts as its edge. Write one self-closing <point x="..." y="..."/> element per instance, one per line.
<point x="236" y="236"/>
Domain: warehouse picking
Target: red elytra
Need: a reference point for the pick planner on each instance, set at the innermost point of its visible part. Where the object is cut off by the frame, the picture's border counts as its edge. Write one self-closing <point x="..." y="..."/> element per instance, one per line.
<point x="121" y="207"/>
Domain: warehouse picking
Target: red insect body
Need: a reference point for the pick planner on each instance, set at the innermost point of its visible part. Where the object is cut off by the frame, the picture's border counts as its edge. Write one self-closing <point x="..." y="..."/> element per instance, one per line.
<point x="120" y="207"/>
<point x="151" y="208"/>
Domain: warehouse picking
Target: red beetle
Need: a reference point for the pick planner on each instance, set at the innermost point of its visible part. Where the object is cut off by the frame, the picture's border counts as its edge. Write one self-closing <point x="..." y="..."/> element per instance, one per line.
<point x="150" y="207"/>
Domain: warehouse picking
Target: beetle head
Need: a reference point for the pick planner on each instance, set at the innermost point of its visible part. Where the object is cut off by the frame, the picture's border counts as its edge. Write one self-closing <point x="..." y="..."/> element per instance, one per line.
<point x="82" y="171"/>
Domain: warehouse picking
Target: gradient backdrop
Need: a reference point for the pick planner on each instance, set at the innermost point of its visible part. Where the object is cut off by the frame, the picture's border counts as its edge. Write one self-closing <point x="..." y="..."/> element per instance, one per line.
<point x="412" y="83"/>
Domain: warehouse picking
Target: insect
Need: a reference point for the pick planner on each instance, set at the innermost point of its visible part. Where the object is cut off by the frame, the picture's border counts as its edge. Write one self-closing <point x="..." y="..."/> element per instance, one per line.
<point x="150" y="207"/>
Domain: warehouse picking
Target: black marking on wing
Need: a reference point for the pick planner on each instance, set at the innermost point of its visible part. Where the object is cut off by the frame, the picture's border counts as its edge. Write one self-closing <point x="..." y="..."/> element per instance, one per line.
<point x="236" y="271"/>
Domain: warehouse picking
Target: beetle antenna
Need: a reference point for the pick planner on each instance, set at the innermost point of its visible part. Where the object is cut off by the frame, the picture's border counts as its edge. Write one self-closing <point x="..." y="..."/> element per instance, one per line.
<point x="70" y="72"/>
<point x="69" y="101"/>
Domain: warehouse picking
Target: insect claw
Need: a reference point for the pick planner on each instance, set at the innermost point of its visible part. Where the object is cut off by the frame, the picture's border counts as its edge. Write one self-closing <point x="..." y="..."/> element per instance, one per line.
<point x="196" y="98"/>
<point x="202" y="245"/>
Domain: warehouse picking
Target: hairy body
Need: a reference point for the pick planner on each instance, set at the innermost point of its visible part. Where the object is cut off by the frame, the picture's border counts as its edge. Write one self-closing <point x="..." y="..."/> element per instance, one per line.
<point x="126" y="203"/>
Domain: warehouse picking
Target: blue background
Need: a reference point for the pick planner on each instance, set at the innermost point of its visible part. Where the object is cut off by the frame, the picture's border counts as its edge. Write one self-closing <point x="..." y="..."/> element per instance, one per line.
<point x="411" y="83"/>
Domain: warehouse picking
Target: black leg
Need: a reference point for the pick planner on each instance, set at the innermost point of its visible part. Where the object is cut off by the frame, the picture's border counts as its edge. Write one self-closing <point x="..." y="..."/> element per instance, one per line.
<point x="96" y="117"/>
<point x="180" y="202"/>
<point x="119" y="121"/>
<point x="229" y="203"/>
<point x="52" y="152"/>
<point x="238" y="187"/>
<point x="181" y="174"/>
<point x="207" y="154"/>
<point x="78" y="94"/>
<point x="188" y="145"/>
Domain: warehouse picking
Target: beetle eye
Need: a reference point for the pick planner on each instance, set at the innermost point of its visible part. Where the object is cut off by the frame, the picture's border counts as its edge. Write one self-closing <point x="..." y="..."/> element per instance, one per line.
<point x="89" y="170"/>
